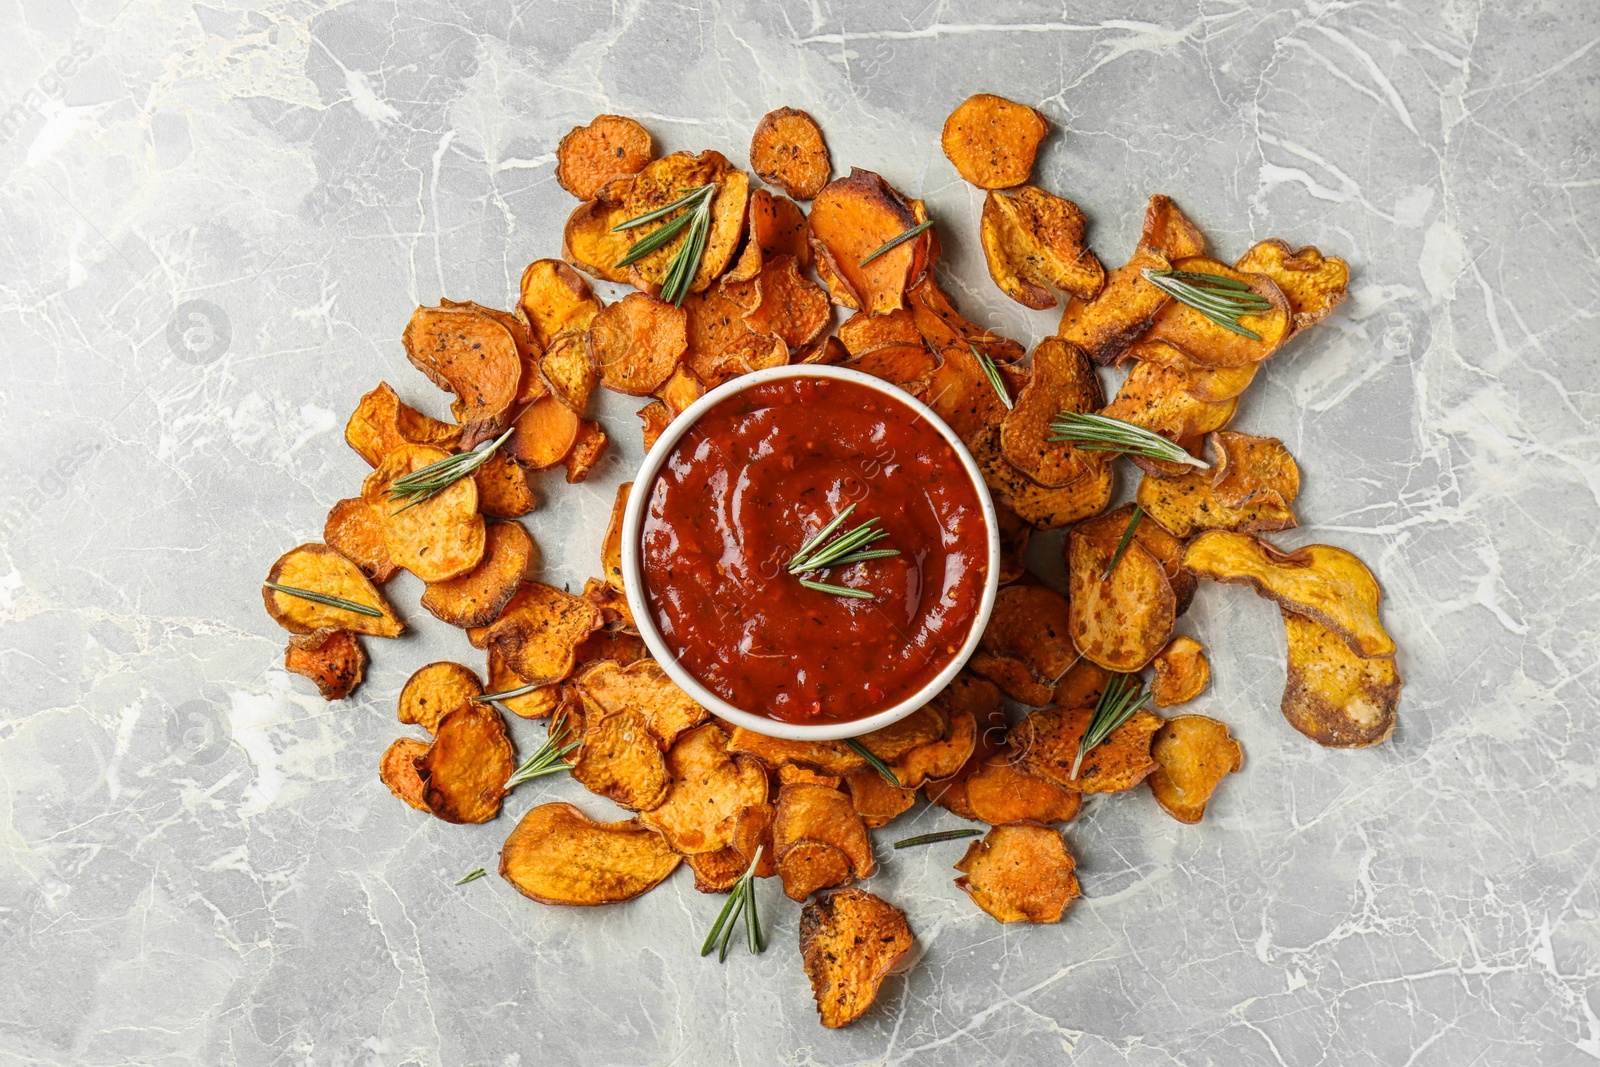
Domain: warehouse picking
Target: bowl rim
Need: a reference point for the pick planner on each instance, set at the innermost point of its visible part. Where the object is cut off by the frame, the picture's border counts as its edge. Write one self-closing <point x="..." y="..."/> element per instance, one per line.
<point x="633" y="578"/>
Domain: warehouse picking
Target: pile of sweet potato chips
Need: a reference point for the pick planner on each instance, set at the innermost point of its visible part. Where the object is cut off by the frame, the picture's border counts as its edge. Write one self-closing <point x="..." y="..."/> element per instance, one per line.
<point x="714" y="796"/>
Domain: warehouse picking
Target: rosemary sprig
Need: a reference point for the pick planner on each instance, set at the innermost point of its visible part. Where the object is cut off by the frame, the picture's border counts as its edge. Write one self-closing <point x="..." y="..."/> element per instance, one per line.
<point x="742" y="899"/>
<point x="551" y="756"/>
<point x="819" y="553"/>
<point x="1222" y="300"/>
<point x="1101" y="433"/>
<point x="896" y="241"/>
<point x="877" y="764"/>
<point x="324" y="599"/>
<point x="506" y="694"/>
<point x="935" y="838"/>
<point x="685" y="262"/>
<point x="425" y="483"/>
<point x="991" y="372"/>
<point x="837" y="590"/>
<point x="1121" y="698"/>
<point x="472" y="877"/>
<point x="1122" y="545"/>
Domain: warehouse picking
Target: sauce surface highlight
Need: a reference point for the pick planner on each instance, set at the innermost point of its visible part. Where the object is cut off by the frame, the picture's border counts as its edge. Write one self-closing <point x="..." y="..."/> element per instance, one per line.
<point x="754" y="479"/>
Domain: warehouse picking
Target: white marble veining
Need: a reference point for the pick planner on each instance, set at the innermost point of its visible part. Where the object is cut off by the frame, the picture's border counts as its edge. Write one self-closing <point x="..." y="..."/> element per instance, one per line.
<point x="214" y="221"/>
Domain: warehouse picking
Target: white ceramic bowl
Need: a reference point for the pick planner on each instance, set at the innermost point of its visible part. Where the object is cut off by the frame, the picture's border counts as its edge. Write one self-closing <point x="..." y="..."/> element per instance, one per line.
<point x="633" y="577"/>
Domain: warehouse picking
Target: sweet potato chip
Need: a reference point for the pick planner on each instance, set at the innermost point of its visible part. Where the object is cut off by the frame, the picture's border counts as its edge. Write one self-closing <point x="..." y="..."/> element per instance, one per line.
<point x="617" y="646"/>
<point x="961" y="394"/>
<point x="589" y="156"/>
<point x="1021" y="872"/>
<point x="536" y="704"/>
<point x="862" y="332"/>
<point x="434" y="691"/>
<point x="1313" y="283"/>
<point x="1030" y="625"/>
<point x="619" y="760"/>
<point x="1158" y="399"/>
<point x="808" y="866"/>
<point x="477" y="597"/>
<point x="849" y="940"/>
<point x="945" y="328"/>
<point x="1167" y="550"/>
<point x="939" y="759"/>
<point x="875" y="800"/>
<point x="1063" y="380"/>
<point x="587" y="449"/>
<point x="540" y="630"/>
<point x="829" y="757"/>
<point x="464" y="772"/>
<point x="775" y="226"/>
<point x="655" y="419"/>
<point x="891" y="742"/>
<point x="1119" y="622"/>
<point x="817" y="813"/>
<point x="1047" y="743"/>
<point x="567" y="369"/>
<point x="333" y="659"/>
<point x="1213" y="385"/>
<point x="438" y="538"/>
<point x="1082" y="685"/>
<point x="911" y="367"/>
<point x="1168" y="231"/>
<point x="1188" y="503"/>
<point x="643" y="687"/>
<point x="1253" y="468"/>
<point x="465" y="350"/>
<point x="992" y="141"/>
<point x="721" y="344"/>
<point x="320" y="569"/>
<point x="545" y="434"/>
<point x="795" y="774"/>
<point x="708" y="788"/>
<point x="788" y="306"/>
<point x="503" y="489"/>
<point x="1015" y="534"/>
<point x="558" y="855"/>
<point x="1333" y="696"/>
<point x="382" y="423"/>
<point x="590" y="239"/>
<point x="1192" y="754"/>
<point x="1182" y="673"/>
<point x="611" y="544"/>
<point x="398" y="770"/>
<point x="788" y="150"/>
<point x="852" y="218"/>
<point x="665" y="181"/>
<point x="636" y="343"/>
<point x="555" y="299"/>
<point x="1044" y="508"/>
<point x="613" y="605"/>
<point x="353" y="528"/>
<point x="1325" y="583"/>
<point x="1001" y="791"/>
<point x="1011" y="675"/>
<point x="1105" y="326"/>
<point x="680" y="390"/>
<point x="1212" y="344"/>
<point x="717" y="872"/>
<point x="1032" y="239"/>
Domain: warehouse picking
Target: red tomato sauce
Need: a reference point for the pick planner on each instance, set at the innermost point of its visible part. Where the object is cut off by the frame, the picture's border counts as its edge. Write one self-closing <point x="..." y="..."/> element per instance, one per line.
<point x="750" y="483"/>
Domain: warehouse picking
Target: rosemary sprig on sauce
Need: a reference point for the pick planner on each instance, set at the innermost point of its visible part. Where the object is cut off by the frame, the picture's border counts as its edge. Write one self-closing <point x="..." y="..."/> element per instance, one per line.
<point x="1101" y="433"/>
<point x="1222" y="300"/>
<point x="685" y="262"/>
<point x="473" y="876"/>
<point x="1122" y="545"/>
<point x="1117" y="704"/>
<point x="896" y="241"/>
<point x="326" y="600"/>
<point x="991" y="372"/>
<point x="877" y="764"/>
<point x="935" y="838"/>
<point x="741" y="900"/>
<point x="425" y="483"/>
<point x="551" y="756"/>
<point x="819" y="553"/>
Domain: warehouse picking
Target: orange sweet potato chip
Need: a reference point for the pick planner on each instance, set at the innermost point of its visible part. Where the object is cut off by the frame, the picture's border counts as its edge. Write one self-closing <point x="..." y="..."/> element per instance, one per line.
<point x="477" y="597"/>
<point x="992" y="141"/>
<point x="852" y="218"/>
<point x="788" y="150"/>
<point x="794" y="773"/>
<point x="545" y="434"/>
<point x="643" y="687"/>
<point x="1015" y="534"/>
<point x="589" y="156"/>
<point x="434" y="691"/>
<point x="1192" y="755"/>
<point x="1048" y="739"/>
<point x="619" y="760"/>
<point x="775" y="226"/>
<point x="817" y="813"/>
<point x="788" y="306"/>
<point x="440" y="537"/>
<point x="1031" y="240"/>
<point x="558" y="855"/>
<point x="1167" y="550"/>
<point x="1167" y="230"/>
<point x="637" y="342"/>
<point x="680" y="390"/>
<point x="1043" y="508"/>
<point x="1105" y="326"/>
<point x="568" y="371"/>
<point x="590" y="239"/>
<point x="1213" y="385"/>
<point x="875" y="800"/>
<point x="922" y="726"/>
<point x="667" y="180"/>
<point x="1212" y="344"/>
<point x="353" y="528"/>
<point x="464" y="772"/>
<point x="1158" y="398"/>
<point x="536" y="704"/>
<point x="716" y="872"/>
<point x="1020" y="872"/>
<point x="829" y="757"/>
<point x="1313" y="283"/>
<point x="1001" y="791"/>
<point x="721" y="344"/>
<point x="468" y="351"/>
<point x="554" y="299"/>
<point x="617" y="646"/>
<point x="862" y="332"/>
<point x="611" y="544"/>
<point x="1082" y="685"/>
<point x="320" y="569"/>
<point x="808" y="866"/>
<point x="539" y="632"/>
<point x="1181" y="673"/>
<point x="943" y="758"/>
<point x="1122" y="620"/>
<point x="613" y="605"/>
<point x="945" y="328"/>
<point x="1029" y="626"/>
<point x="503" y="489"/>
<point x="1253" y="468"/>
<point x="333" y="659"/>
<point x="1063" y="380"/>
<point x="849" y="940"/>
<point x="1332" y="695"/>
<point x="655" y="419"/>
<point x="911" y="367"/>
<point x="381" y="423"/>
<point x="708" y="788"/>
<point x="1187" y="503"/>
<point x="587" y="450"/>
<point x="398" y="770"/>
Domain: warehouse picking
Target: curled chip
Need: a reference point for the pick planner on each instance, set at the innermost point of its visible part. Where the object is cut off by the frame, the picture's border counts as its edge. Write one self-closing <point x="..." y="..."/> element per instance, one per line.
<point x="590" y="239"/>
<point x="1213" y="385"/>
<point x="617" y="646"/>
<point x="1122" y="620"/>
<point x="939" y="759"/>
<point x="1048" y="739"/>
<point x="503" y="489"/>
<point x="829" y="757"/>
<point x="434" y="691"/>
<point x="788" y="306"/>
<point x="536" y="704"/>
<point x="477" y="597"/>
<point x="945" y="329"/>
<point x="849" y="940"/>
<point x="554" y="299"/>
<point x="1192" y="754"/>
<point x="1021" y="872"/>
<point x="558" y="855"/>
<point x="921" y="727"/>
<point x="464" y="773"/>
<point x="319" y="569"/>
<point x="540" y="630"/>
<point x="854" y="217"/>
<point x="1253" y="468"/>
<point x="611" y="544"/>
<point x="717" y="872"/>
<point x="680" y="390"/>
<point x="1212" y="344"/>
<point x="1158" y="399"/>
<point x="707" y="790"/>
<point x="1187" y="503"/>
<point x="1029" y="627"/>
<point x="1105" y="326"/>
<point x="862" y="332"/>
<point x="1032" y="239"/>
<point x="1063" y="380"/>
<point x="808" y="866"/>
<point x="775" y="226"/>
<point x="992" y="141"/>
<point x="875" y="800"/>
<point x="1043" y="508"/>
<point x="382" y="423"/>
<point x="398" y="770"/>
<point x="589" y="156"/>
<point x="333" y="659"/>
<point x="1001" y="791"/>
<point x="817" y="813"/>
<point x="655" y="419"/>
<point x="722" y="344"/>
<point x="567" y="369"/>
<point x="354" y="529"/>
<point x="1325" y="583"/>
<point x="467" y="350"/>
<point x="613" y="605"/>
<point x="667" y="180"/>
<point x="546" y="432"/>
<point x="1332" y="695"/>
<point x="1313" y="283"/>
<point x="1167" y="230"/>
<point x="1082" y="685"/>
<point x="1014" y="537"/>
<point x="619" y="760"/>
<point x="644" y="687"/>
<point x="788" y="150"/>
<point x="1181" y="673"/>
<point x="437" y="538"/>
<point x="586" y="451"/>
<point x="636" y="343"/>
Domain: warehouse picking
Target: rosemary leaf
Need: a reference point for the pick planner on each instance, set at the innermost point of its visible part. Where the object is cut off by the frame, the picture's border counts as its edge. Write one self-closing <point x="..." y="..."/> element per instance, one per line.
<point x="741" y="901"/>
<point x="425" y="483"/>
<point x="550" y="757"/>
<point x="472" y="877"/>
<point x="1222" y="300"/>
<point x="685" y="262"/>
<point x="837" y="590"/>
<point x="326" y="600"/>
<point x="797" y="564"/>
<point x="1122" y="545"/>
<point x="877" y="764"/>
<point x="506" y="694"/>
<point x="1117" y="704"/>
<point x="992" y="372"/>
<point x="935" y="838"/>
<point x="896" y="241"/>
<point x="1101" y="433"/>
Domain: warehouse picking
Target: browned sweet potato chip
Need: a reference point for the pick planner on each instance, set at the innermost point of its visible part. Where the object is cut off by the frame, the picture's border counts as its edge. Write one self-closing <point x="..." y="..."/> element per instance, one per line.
<point x="1119" y="622"/>
<point x="1181" y="673"/>
<point x="567" y="369"/>
<point x="716" y="872"/>
<point x="381" y="423"/>
<point x="666" y="180"/>
<point x="808" y="866"/>
<point x="1326" y="583"/>
<point x="464" y="772"/>
<point x="558" y="855"/>
<point x="1213" y="385"/>
<point x="1011" y="675"/>
<point x="788" y="150"/>
<point x="636" y="343"/>
<point x="1001" y="791"/>
<point x="333" y="659"/>
<point x="1253" y="468"/>
<point x="1188" y="503"/>
<point x="1047" y="741"/>
<point x="1082" y="685"/>
<point x="611" y="544"/>
<point x="849" y="940"/>
<point x="940" y="759"/>
<point x="545" y="434"/>
<point x="681" y="390"/>
<point x="618" y="646"/>
<point x="1015" y="535"/>
<point x="1032" y="239"/>
<point x="1030" y="626"/>
<point x="353" y="528"/>
<point x="619" y="760"/>
<point x="440" y="537"/>
<point x="891" y="742"/>
<point x="1158" y="399"/>
<point x="643" y="687"/>
<point x="721" y="344"/>
<point x="1333" y="696"/>
<point x="532" y="705"/>
<point x="852" y="218"/>
<point x="788" y="306"/>
<point x="875" y="800"/>
<point x="468" y="351"/>
<point x="554" y="299"/>
<point x="503" y="489"/>
<point x="398" y="770"/>
<point x="829" y="757"/>
<point x="961" y="394"/>
<point x="434" y="691"/>
<point x="775" y="227"/>
<point x="1043" y="508"/>
<point x="540" y="630"/>
<point x="586" y="451"/>
<point x="590" y="240"/>
<point x="1212" y="344"/>
<point x="1313" y="283"/>
<point x="613" y="605"/>
<point x="817" y="813"/>
<point x="708" y="789"/>
<point x="1063" y="380"/>
<point x="1167" y="230"/>
<point x="589" y="156"/>
<point x="320" y="569"/>
<point x="1167" y="550"/>
<point x="911" y="367"/>
<point x="1192" y="754"/>
<point x="992" y="141"/>
<point x="655" y="419"/>
<point x="477" y="597"/>
<point x="795" y="774"/>
<point x="1105" y="326"/>
<point x="1021" y="872"/>
<point x="862" y="332"/>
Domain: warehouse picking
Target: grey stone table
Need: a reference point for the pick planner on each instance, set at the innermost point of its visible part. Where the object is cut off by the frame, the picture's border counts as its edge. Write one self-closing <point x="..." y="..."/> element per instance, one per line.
<point x="214" y="222"/>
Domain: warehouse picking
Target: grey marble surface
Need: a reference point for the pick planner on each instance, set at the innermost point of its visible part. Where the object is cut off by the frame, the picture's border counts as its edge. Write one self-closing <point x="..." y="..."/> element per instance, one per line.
<point x="214" y="222"/>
